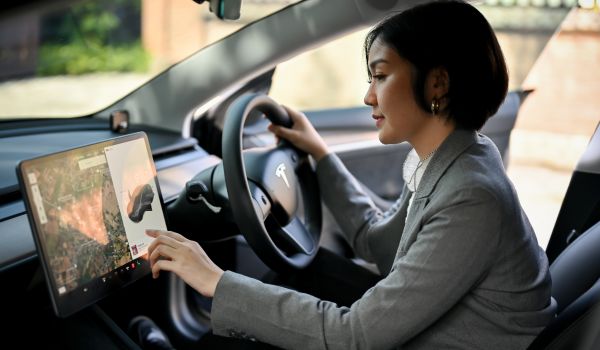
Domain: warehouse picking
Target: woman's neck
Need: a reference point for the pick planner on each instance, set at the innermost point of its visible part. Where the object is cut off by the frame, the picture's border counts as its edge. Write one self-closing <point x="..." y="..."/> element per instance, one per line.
<point x="431" y="136"/>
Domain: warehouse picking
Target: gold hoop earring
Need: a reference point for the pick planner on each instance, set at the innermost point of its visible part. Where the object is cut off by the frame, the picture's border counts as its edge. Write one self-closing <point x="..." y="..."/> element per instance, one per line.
<point x="435" y="106"/>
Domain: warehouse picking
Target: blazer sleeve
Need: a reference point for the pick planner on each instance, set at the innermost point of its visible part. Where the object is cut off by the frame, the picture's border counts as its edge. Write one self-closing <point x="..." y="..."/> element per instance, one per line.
<point x="451" y="253"/>
<point x="352" y="208"/>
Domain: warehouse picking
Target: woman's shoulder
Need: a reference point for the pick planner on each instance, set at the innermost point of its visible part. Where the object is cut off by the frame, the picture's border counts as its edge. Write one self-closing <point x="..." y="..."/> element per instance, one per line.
<point x="480" y="168"/>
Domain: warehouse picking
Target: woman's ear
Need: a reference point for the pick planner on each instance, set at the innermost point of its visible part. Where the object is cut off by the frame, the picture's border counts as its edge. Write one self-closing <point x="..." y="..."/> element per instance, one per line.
<point x="438" y="82"/>
<point x="437" y="85"/>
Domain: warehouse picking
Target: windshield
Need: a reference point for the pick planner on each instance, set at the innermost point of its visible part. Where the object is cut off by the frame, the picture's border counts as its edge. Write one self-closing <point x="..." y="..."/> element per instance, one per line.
<point x="73" y="58"/>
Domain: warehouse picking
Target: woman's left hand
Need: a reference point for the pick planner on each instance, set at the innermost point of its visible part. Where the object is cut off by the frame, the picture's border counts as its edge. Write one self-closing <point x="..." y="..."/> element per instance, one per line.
<point x="172" y="252"/>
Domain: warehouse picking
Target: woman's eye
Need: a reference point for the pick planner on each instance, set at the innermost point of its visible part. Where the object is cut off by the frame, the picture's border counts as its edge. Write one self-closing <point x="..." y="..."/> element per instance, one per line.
<point x="376" y="77"/>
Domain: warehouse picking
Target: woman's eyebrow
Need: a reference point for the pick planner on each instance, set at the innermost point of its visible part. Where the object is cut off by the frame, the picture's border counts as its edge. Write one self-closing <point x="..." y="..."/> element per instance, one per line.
<point x="373" y="64"/>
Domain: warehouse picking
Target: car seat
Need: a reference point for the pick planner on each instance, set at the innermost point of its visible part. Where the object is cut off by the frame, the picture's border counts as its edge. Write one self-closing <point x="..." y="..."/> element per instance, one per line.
<point x="576" y="289"/>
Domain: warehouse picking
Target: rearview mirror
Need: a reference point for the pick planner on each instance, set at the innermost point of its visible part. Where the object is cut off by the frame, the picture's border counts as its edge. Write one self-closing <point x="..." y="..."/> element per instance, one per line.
<point x="224" y="9"/>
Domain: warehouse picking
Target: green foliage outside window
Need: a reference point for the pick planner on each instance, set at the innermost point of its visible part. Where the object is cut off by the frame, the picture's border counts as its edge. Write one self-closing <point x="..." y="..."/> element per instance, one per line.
<point x="75" y="59"/>
<point x="93" y="36"/>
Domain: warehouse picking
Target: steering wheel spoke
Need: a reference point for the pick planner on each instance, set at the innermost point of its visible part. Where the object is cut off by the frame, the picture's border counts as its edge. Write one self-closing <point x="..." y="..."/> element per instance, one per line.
<point x="294" y="235"/>
<point x="261" y="203"/>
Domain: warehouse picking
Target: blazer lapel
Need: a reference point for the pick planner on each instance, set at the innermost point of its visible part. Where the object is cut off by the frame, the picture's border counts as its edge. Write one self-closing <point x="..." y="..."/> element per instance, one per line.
<point x="455" y="144"/>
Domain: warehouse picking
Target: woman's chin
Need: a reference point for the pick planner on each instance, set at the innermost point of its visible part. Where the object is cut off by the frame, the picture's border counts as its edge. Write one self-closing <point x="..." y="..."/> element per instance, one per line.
<point x="387" y="139"/>
<point x="383" y="139"/>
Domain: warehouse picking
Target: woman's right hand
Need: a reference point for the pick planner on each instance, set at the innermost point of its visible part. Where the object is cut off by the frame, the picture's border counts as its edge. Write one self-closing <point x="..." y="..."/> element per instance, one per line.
<point x="302" y="135"/>
<point x="170" y="251"/>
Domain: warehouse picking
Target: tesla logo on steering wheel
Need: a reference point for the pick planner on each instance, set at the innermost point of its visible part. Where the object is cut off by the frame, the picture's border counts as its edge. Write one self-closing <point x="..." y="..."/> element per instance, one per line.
<point x="280" y="172"/>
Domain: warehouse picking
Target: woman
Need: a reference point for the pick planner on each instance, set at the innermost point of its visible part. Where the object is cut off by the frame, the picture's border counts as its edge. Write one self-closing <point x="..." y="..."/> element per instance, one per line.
<point x="460" y="263"/>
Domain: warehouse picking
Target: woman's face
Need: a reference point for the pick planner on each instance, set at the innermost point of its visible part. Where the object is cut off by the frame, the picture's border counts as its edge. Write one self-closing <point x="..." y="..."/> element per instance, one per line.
<point x="395" y="110"/>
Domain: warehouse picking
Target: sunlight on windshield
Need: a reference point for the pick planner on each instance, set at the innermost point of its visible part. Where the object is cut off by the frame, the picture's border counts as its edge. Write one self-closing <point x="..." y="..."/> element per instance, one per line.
<point x="78" y="57"/>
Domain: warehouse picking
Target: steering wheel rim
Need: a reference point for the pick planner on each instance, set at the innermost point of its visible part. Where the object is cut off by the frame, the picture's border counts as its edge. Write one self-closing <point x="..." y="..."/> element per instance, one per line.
<point x="252" y="213"/>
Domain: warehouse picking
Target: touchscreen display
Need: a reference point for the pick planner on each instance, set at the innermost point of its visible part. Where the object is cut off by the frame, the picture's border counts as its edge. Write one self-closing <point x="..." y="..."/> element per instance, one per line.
<point x="89" y="208"/>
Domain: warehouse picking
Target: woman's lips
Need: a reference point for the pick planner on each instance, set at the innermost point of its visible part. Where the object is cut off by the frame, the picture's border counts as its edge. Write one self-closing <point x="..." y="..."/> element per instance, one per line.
<point x="378" y="120"/>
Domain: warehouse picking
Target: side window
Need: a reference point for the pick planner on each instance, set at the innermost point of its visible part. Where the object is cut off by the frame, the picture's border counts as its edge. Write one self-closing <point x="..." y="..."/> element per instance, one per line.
<point x="332" y="76"/>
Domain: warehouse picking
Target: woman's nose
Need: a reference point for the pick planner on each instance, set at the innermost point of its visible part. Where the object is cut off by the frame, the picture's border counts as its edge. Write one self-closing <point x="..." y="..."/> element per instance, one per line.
<point x="370" y="98"/>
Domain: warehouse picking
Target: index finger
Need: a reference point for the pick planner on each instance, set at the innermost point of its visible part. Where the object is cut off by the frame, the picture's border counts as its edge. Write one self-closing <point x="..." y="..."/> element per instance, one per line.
<point x="176" y="236"/>
<point x="162" y="240"/>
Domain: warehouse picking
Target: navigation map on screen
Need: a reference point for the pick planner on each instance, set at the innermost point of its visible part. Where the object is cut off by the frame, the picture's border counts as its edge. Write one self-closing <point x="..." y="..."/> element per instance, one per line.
<point x="93" y="206"/>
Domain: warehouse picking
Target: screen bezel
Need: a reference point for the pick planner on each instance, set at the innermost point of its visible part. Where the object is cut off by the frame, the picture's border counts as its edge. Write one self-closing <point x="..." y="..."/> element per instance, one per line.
<point x="95" y="290"/>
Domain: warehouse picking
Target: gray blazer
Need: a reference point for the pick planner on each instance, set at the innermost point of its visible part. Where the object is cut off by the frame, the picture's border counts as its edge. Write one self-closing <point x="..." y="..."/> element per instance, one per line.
<point x="464" y="272"/>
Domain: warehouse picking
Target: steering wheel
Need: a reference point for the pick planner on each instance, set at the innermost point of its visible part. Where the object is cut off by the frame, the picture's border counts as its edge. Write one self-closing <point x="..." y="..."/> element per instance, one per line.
<point x="270" y="189"/>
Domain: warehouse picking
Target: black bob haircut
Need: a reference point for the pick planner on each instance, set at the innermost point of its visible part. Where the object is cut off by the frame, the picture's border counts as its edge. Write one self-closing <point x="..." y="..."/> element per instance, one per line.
<point x="455" y="36"/>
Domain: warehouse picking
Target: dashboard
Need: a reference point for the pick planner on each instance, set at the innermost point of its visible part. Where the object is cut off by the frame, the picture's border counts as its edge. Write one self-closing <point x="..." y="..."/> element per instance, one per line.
<point x="176" y="159"/>
<point x="24" y="293"/>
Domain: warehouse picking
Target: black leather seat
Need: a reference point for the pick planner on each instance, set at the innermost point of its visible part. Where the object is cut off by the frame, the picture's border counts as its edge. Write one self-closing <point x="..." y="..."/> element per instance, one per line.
<point x="576" y="289"/>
